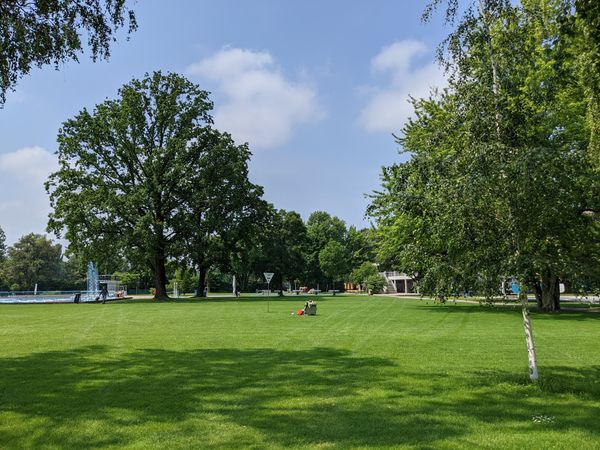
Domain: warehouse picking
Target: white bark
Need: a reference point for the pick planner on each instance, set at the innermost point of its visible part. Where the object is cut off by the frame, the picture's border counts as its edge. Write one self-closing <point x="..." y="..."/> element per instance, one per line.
<point x="533" y="370"/>
<point x="483" y="10"/>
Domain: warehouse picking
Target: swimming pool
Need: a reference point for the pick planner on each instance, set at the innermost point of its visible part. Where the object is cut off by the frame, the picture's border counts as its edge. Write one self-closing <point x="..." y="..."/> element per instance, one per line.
<point x="54" y="297"/>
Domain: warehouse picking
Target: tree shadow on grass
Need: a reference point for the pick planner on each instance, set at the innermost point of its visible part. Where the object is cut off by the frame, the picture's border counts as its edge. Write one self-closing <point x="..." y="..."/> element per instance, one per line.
<point x="563" y="399"/>
<point x="509" y="309"/>
<point x="296" y="397"/>
<point x="582" y="382"/>
<point x="307" y="397"/>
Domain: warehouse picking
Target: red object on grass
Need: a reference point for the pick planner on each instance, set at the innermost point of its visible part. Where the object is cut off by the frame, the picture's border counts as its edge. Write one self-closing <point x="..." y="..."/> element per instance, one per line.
<point x="300" y="312"/>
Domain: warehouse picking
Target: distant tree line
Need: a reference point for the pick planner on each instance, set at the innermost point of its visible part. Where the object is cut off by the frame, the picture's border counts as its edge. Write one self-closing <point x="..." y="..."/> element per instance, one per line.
<point x="321" y="252"/>
<point x="35" y="259"/>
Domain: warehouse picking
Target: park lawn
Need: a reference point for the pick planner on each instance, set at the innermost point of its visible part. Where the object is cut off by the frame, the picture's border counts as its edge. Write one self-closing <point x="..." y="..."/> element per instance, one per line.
<point x="365" y="372"/>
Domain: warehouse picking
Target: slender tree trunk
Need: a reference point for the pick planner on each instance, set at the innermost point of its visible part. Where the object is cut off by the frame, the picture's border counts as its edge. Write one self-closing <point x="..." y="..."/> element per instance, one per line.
<point x="595" y="132"/>
<point x="484" y="10"/>
<point x="550" y="292"/>
<point x="201" y="280"/>
<point x="160" y="276"/>
<point x="531" y="356"/>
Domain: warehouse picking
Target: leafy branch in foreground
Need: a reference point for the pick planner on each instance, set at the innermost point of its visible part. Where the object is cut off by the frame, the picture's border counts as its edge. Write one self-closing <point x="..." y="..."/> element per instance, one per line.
<point x="42" y="32"/>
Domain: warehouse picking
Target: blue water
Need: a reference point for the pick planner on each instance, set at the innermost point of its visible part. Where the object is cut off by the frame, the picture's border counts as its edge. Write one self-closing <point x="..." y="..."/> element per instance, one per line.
<point x="19" y="299"/>
<point x="10" y="298"/>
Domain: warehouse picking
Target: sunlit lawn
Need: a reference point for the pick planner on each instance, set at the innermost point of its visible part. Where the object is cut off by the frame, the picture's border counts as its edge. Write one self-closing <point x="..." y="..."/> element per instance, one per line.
<point x="365" y="372"/>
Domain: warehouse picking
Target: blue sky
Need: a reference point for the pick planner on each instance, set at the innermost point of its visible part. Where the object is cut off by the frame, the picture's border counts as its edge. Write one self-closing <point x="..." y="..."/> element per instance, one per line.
<point x="315" y="87"/>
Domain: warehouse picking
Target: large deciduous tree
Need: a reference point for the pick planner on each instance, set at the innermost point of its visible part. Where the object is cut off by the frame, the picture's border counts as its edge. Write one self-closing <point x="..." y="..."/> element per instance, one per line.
<point x="125" y="171"/>
<point x="334" y="261"/>
<point x="283" y="246"/>
<point x="500" y="179"/>
<point x="35" y="33"/>
<point x="222" y="208"/>
<point x="321" y="228"/>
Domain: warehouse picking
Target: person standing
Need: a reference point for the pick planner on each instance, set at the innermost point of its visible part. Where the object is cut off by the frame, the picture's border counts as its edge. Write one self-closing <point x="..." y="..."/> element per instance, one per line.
<point x="104" y="294"/>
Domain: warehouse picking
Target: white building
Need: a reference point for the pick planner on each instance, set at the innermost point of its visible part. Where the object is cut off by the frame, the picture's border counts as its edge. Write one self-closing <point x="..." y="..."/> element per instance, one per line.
<point x="398" y="282"/>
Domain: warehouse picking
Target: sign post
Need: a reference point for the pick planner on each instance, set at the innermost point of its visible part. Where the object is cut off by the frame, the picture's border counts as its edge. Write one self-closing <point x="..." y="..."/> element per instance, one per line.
<point x="268" y="277"/>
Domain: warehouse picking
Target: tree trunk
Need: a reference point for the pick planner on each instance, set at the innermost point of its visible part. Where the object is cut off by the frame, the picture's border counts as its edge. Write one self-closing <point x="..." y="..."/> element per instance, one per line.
<point x="550" y="292"/>
<point x="280" y="293"/>
<point x="243" y="281"/>
<point x="531" y="356"/>
<point x="201" y="281"/>
<point x="160" y="276"/>
<point x="202" y="273"/>
<point x="538" y="293"/>
<point x="483" y="9"/>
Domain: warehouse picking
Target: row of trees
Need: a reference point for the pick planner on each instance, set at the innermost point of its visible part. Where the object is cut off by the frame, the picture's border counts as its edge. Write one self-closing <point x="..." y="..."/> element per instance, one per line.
<point x="146" y="184"/>
<point x="503" y="178"/>
<point x="145" y="180"/>
<point x="318" y="252"/>
<point x="35" y="259"/>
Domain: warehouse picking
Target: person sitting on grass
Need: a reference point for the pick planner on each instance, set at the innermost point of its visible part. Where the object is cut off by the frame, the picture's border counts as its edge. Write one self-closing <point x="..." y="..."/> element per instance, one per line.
<point x="310" y="308"/>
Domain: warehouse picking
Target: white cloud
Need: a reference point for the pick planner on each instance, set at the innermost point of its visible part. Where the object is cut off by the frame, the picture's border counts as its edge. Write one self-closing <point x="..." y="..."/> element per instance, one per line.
<point x="24" y="204"/>
<point x="29" y="164"/>
<point x="389" y="108"/>
<point x="262" y="107"/>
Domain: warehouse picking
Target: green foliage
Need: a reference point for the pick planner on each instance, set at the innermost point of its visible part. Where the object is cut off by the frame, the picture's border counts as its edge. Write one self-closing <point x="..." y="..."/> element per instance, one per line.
<point x="2" y="245"/>
<point x="375" y="283"/>
<point x="333" y="260"/>
<point x="33" y="259"/>
<point x="499" y="182"/>
<point x="361" y="273"/>
<point x="129" y="279"/>
<point x="321" y="228"/>
<point x="360" y="245"/>
<point x="280" y="247"/>
<point x="225" y="210"/>
<point x="42" y="32"/>
<point x="587" y="29"/>
<point x="3" y="282"/>
<point x="186" y="278"/>
<point x="125" y="169"/>
<point x="73" y="275"/>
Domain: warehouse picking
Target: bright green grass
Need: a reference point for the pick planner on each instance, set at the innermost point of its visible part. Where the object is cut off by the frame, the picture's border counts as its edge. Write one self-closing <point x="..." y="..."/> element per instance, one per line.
<point x="365" y="372"/>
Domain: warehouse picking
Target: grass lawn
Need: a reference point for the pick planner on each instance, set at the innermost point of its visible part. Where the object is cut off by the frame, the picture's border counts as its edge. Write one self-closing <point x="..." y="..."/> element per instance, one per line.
<point x="365" y="372"/>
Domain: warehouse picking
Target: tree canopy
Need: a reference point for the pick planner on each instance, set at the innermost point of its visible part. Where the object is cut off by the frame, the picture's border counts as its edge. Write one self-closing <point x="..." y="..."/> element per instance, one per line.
<point x="333" y="260"/>
<point x="142" y="172"/>
<point x="499" y="182"/>
<point x="224" y="207"/>
<point x="146" y="178"/>
<point x="34" y="259"/>
<point x="41" y="32"/>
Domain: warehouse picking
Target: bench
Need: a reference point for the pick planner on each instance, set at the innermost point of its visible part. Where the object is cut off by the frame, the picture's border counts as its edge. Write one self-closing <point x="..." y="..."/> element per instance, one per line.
<point x="333" y="291"/>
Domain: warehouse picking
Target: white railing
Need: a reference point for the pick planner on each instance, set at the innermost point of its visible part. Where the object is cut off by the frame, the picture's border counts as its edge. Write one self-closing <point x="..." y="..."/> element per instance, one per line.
<point x="394" y="274"/>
